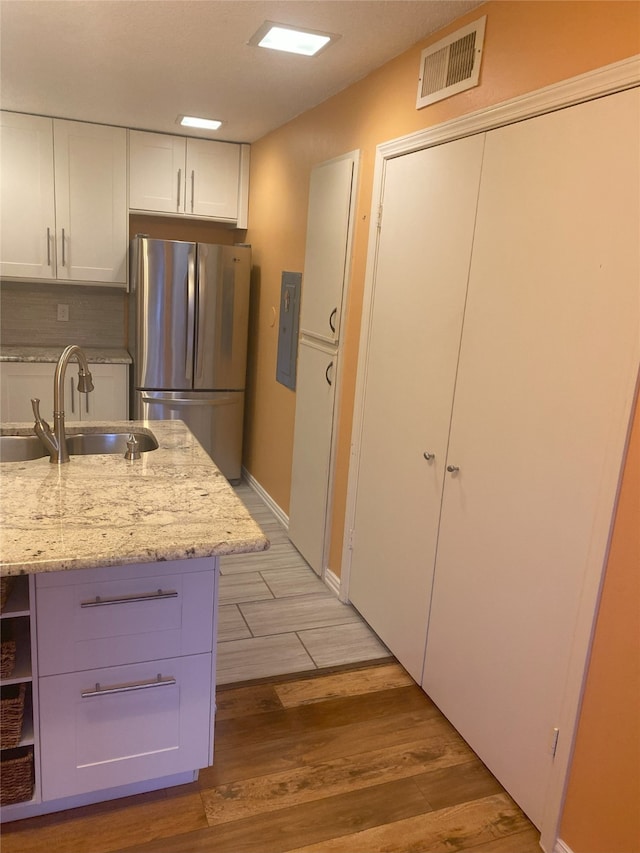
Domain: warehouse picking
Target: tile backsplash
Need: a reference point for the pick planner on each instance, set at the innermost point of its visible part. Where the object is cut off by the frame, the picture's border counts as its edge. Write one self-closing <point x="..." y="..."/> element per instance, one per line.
<point x="29" y="315"/>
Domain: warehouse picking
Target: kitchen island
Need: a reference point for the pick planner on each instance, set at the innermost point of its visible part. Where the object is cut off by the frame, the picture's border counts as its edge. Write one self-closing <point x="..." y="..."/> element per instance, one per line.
<point x="115" y="623"/>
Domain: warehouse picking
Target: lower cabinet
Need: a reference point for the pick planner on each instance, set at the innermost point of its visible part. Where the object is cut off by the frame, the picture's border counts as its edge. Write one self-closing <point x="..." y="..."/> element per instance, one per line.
<point x="107" y="727"/>
<point x="23" y="380"/>
<point x="125" y="699"/>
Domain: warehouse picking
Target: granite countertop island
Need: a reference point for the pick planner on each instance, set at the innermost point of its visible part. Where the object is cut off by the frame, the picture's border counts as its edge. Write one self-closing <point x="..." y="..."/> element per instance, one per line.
<point x="102" y="510"/>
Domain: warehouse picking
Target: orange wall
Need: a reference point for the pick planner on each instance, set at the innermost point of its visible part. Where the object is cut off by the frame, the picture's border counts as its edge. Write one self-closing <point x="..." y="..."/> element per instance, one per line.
<point x="602" y="810"/>
<point x="528" y="45"/>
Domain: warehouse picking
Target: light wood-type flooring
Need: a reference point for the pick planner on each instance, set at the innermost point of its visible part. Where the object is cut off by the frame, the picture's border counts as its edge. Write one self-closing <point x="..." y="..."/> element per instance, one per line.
<point x="277" y="617"/>
<point x="356" y="761"/>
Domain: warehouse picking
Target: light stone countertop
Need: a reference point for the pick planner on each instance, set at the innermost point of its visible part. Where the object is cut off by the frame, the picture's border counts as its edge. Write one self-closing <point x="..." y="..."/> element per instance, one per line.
<point x="102" y="510"/>
<point x="95" y="355"/>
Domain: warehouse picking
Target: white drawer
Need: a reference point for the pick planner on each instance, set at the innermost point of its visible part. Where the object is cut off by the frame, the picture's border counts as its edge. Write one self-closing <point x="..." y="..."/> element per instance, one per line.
<point x="106" y="621"/>
<point x="143" y="730"/>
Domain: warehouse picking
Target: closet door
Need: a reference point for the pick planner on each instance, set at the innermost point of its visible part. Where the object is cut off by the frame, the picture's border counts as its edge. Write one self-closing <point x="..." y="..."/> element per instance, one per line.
<point x="429" y="207"/>
<point x="547" y="368"/>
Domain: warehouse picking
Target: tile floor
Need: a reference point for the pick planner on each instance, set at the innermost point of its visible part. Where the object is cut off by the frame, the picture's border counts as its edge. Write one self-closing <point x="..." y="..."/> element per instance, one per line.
<point x="277" y="617"/>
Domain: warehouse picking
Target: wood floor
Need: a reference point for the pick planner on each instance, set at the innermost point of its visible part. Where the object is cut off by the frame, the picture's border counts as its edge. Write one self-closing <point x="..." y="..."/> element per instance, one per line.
<point x="356" y="761"/>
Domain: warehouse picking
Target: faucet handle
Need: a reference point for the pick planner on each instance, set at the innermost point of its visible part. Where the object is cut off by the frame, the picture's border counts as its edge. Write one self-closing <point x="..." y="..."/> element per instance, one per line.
<point x="35" y="405"/>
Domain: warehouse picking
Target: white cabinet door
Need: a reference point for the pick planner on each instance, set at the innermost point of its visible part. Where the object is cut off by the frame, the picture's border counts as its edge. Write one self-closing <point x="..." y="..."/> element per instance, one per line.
<point x="27" y="219"/>
<point x="423" y="257"/>
<point x="317" y="370"/>
<point x="108" y="727"/>
<point x="157" y="179"/>
<point x="213" y="174"/>
<point x="330" y="204"/>
<point x="91" y="202"/>
<point x="109" y="399"/>
<point x="23" y="380"/>
<point x="548" y="364"/>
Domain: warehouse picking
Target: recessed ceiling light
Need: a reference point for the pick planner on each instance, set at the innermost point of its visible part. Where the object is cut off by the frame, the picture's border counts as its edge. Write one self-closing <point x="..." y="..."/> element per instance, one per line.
<point x="194" y="121"/>
<point x="292" y="40"/>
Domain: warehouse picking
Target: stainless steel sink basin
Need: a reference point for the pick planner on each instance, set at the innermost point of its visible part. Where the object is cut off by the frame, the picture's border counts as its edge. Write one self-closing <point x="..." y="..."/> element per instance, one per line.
<point x="22" y="448"/>
<point x="108" y="442"/>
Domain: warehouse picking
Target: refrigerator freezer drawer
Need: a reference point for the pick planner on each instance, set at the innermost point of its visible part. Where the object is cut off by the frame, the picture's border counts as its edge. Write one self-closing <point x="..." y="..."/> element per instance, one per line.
<point x="215" y="418"/>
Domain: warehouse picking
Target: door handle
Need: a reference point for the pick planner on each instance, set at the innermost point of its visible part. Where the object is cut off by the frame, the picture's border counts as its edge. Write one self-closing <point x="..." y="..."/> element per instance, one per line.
<point x="331" y="318"/>
<point x="179" y="182"/>
<point x="326" y="373"/>
<point x="429" y="456"/>
<point x="452" y="469"/>
<point x="128" y="688"/>
<point x="161" y="594"/>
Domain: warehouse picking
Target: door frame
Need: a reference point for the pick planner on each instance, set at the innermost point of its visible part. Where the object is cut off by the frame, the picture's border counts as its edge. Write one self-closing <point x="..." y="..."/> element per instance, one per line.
<point x="603" y="81"/>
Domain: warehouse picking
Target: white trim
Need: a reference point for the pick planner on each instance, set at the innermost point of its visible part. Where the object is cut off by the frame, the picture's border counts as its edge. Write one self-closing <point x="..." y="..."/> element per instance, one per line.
<point x="604" y="81"/>
<point x="332" y="580"/>
<point x="561" y="847"/>
<point x="251" y="481"/>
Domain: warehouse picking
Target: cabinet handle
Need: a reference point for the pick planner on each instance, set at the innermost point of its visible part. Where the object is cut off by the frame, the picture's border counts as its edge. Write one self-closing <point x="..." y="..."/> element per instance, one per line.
<point x="331" y="316"/>
<point x="98" y="601"/>
<point x="326" y="373"/>
<point x="429" y="456"/>
<point x="193" y="183"/>
<point x="48" y="247"/>
<point x="179" y="187"/>
<point x="128" y="688"/>
<point x="452" y="469"/>
<point x="63" y="253"/>
<point x="73" y="396"/>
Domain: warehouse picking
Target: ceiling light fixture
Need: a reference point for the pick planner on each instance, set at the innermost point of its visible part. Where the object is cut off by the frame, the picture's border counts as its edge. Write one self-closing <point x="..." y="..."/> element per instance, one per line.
<point x="292" y="40"/>
<point x="203" y="123"/>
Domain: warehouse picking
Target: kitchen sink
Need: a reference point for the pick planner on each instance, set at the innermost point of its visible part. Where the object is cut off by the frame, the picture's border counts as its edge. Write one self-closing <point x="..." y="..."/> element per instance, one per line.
<point x="22" y="448"/>
<point x="108" y="442"/>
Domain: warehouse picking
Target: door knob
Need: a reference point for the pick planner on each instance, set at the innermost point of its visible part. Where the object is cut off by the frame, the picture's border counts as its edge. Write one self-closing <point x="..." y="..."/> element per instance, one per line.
<point x="452" y="469"/>
<point x="429" y="456"/>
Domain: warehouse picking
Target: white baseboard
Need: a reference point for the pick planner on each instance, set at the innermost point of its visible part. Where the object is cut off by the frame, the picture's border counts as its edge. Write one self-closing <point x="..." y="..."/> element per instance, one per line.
<point x="332" y="581"/>
<point x="282" y="517"/>
<point x="561" y="847"/>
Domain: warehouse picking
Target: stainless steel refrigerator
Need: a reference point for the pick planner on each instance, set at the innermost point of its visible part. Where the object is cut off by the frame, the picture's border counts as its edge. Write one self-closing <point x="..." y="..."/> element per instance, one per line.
<point x="188" y="319"/>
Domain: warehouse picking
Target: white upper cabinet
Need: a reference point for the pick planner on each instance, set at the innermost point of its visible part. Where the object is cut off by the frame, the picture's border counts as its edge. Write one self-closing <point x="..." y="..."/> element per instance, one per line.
<point x="91" y="202"/>
<point x="325" y="262"/>
<point x="64" y="200"/>
<point x="27" y="200"/>
<point x="188" y="177"/>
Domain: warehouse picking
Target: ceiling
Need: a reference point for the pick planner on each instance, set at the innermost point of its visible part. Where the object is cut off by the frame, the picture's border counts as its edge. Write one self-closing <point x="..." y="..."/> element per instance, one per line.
<point x="141" y="63"/>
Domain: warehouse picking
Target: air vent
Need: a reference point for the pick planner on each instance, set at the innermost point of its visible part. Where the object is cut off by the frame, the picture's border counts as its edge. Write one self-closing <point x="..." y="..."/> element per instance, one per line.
<point x="451" y="65"/>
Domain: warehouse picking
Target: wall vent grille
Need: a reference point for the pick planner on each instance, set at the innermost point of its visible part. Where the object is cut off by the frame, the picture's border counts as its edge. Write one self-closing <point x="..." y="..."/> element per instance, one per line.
<point x="451" y="65"/>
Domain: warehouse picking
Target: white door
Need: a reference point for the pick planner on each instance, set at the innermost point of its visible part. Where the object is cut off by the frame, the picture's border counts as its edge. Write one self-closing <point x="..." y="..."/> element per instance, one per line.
<point x="317" y="370"/>
<point x="213" y="175"/>
<point x="548" y="363"/>
<point x="91" y="202"/>
<point x="27" y="218"/>
<point x="422" y="267"/>
<point x="157" y="178"/>
<point x="325" y="258"/>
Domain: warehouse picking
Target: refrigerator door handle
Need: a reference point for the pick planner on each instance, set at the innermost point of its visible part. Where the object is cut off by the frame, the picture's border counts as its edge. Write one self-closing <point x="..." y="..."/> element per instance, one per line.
<point x="198" y="367"/>
<point x="191" y="314"/>
<point x="187" y="401"/>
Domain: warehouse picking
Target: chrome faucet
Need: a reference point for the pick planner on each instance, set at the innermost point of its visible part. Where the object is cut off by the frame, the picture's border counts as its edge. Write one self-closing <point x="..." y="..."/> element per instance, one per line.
<point x="56" y="442"/>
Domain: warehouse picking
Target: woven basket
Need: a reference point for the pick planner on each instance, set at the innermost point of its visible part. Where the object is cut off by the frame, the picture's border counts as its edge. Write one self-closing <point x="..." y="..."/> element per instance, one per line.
<point x="11" y="715"/>
<point x="6" y="585"/>
<point x="16" y="778"/>
<point x="7" y="658"/>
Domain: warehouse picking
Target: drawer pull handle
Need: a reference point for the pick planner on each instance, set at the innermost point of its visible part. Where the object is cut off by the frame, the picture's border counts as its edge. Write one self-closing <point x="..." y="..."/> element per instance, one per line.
<point x="128" y="688"/>
<point x="98" y="601"/>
